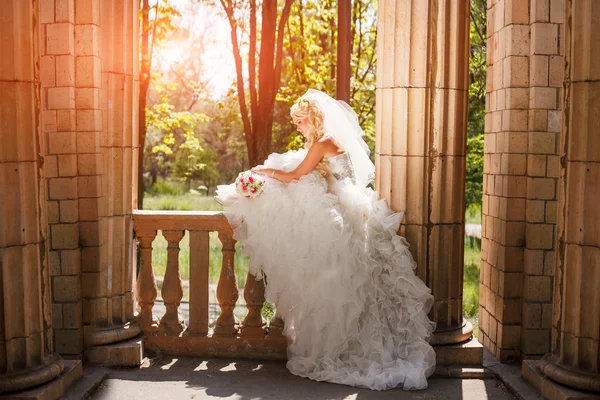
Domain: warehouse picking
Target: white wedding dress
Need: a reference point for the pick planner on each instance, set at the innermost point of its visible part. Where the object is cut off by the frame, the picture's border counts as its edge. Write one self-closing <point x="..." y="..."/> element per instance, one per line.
<point x="341" y="278"/>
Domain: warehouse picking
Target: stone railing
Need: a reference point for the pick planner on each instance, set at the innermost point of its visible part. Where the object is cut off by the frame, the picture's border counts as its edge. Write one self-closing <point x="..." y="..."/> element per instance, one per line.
<point x="250" y="339"/>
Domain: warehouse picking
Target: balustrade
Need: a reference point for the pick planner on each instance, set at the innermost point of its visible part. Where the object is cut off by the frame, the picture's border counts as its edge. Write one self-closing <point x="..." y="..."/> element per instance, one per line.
<point x="252" y="338"/>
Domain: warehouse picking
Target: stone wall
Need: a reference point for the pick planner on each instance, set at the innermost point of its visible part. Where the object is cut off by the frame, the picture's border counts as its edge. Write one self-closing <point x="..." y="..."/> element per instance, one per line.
<point x="525" y="71"/>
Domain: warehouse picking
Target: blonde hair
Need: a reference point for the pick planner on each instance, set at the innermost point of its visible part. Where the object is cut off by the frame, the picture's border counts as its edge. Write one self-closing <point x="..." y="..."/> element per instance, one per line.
<point x="306" y="108"/>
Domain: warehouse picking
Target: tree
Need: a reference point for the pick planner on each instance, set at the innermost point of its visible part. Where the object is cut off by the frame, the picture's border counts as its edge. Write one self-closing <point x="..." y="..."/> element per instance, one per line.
<point x="477" y="89"/>
<point x="264" y="83"/>
<point x="153" y="29"/>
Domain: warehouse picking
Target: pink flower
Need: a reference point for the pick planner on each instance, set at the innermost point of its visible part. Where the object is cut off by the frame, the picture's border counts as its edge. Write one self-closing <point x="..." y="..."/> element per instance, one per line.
<point x="253" y="190"/>
<point x="247" y="196"/>
<point x="250" y="179"/>
<point x="244" y="188"/>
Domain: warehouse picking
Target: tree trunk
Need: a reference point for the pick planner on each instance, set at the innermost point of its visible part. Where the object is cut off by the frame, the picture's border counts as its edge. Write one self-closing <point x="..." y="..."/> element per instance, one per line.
<point x="144" y="84"/>
<point x="344" y="48"/>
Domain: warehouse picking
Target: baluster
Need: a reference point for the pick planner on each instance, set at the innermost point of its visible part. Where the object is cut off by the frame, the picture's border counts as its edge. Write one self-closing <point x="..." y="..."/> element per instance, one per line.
<point x="146" y="284"/>
<point x="199" y="266"/>
<point x="276" y="327"/>
<point x="227" y="291"/>
<point x="171" y="323"/>
<point x="254" y="293"/>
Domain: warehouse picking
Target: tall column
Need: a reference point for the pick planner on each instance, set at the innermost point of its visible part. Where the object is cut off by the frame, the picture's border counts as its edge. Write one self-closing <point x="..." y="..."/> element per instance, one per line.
<point x="575" y="356"/>
<point x="107" y="101"/>
<point x="26" y="358"/>
<point x="422" y="94"/>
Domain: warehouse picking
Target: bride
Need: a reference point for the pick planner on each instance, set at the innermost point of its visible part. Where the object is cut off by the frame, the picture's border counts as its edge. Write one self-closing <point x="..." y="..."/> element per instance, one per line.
<point x="341" y="278"/>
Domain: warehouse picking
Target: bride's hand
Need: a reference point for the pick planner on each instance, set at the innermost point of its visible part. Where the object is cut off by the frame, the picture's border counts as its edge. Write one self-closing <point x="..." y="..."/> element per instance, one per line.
<point x="259" y="169"/>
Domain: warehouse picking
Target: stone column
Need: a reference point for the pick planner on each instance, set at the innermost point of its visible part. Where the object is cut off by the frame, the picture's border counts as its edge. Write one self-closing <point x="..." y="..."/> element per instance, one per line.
<point x="26" y="359"/>
<point x="108" y="58"/>
<point x="422" y="93"/>
<point x="574" y="360"/>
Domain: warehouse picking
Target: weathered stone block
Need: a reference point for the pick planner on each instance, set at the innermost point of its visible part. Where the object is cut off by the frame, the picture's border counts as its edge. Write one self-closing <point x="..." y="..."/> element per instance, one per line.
<point x="89" y="120"/>
<point x="52" y="211"/>
<point x="89" y="164"/>
<point x="516" y="12"/>
<point x="557" y="12"/>
<point x="50" y="167"/>
<point x="538" y="66"/>
<point x="59" y="38"/>
<point x="516" y="72"/>
<point x="534" y="262"/>
<point x="537" y="288"/>
<point x="67" y="165"/>
<point x="68" y="341"/>
<point x="54" y="261"/>
<point x="66" y="288"/>
<point x="517" y="98"/>
<point x="65" y="70"/>
<point x="70" y="262"/>
<point x="532" y="315"/>
<point x="535" y="341"/>
<point x="510" y="285"/>
<point x="95" y="284"/>
<point x="65" y="236"/>
<point x="65" y="11"/>
<point x="509" y="336"/>
<point x="514" y="120"/>
<point x="544" y="38"/>
<point x="61" y="98"/>
<point x="69" y="211"/>
<point x="86" y="98"/>
<point x="542" y="142"/>
<point x="89" y="73"/>
<point x="87" y="39"/>
<point x="57" y="321"/>
<point x="65" y="120"/>
<point x="543" y="97"/>
<point x="554" y="121"/>
<point x="549" y="263"/>
<point x="551" y="211"/>
<point x="48" y="71"/>
<point x="88" y="12"/>
<point x="536" y="165"/>
<point x="540" y="11"/>
<point x="47" y="11"/>
<point x="515" y="186"/>
<point x="61" y="142"/>
<point x="557" y="71"/>
<point x="513" y="164"/>
<point x="540" y="236"/>
<point x="541" y="188"/>
<point x="72" y="315"/>
<point x="517" y="40"/>
<point x="62" y="188"/>
<point x="535" y="211"/>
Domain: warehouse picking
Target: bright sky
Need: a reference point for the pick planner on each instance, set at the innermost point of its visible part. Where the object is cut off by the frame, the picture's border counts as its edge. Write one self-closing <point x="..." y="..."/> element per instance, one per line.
<point x="219" y="67"/>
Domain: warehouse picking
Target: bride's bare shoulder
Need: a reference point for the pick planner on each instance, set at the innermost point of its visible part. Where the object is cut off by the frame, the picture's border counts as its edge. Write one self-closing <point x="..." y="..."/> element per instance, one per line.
<point x="330" y="145"/>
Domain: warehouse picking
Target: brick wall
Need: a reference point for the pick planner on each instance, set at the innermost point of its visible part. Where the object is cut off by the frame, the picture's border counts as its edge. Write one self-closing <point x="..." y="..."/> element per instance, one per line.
<point x="520" y="174"/>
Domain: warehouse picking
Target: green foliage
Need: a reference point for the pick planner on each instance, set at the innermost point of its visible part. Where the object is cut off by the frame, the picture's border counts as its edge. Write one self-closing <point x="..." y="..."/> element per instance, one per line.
<point x="164" y="187"/>
<point x="474" y="179"/>
<point x="471" y="285"/>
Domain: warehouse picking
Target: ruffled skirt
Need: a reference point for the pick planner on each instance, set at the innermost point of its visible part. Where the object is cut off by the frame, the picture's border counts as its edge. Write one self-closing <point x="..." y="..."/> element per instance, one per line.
<point x="341" y="278"/>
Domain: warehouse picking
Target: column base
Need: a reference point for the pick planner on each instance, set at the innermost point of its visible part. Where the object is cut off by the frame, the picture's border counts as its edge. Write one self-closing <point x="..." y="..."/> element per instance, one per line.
<point x="579" y="380"/>
<point x="452" y="336"/>
<point x="97" y="336"/>
<point x="466" y="353"/>
<point x="71" y="372"/>
<point x="128" y="353"/>
<point x="549" y="389"/>
<point x="52" y="367"/>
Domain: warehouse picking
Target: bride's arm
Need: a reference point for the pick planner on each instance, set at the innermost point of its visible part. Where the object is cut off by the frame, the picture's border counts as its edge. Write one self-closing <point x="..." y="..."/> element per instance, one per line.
<point x="313" y="157"/>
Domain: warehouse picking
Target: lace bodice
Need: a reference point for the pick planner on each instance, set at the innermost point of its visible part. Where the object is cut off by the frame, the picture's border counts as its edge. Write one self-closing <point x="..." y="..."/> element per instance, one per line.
<point x="341" y="167"/>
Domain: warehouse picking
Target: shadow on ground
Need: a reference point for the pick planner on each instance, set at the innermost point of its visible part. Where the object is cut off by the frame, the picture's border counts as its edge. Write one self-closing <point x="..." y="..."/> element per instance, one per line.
<point x="196" y="378"/>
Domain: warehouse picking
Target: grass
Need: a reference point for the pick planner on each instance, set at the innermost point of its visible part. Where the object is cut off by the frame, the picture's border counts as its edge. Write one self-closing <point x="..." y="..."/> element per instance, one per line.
<point x="471" y="285"/>
<point x="183" y="202"/>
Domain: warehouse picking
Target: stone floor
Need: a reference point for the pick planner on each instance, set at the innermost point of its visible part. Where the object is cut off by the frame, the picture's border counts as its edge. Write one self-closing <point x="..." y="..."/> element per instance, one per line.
<point x="192" y="378"/>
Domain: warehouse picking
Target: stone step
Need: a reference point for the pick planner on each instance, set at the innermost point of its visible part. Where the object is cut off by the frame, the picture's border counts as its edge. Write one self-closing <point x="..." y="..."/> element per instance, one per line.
<point x="128" y="353"/>
<point x="468" y="353"/>
<point x="52" y="390"/>
<point x="548" y="388"/>
<point x="89" y="382"/>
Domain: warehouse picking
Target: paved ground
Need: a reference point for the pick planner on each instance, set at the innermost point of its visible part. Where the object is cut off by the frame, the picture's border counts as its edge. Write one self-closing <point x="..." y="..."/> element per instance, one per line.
<point x="192" y="378"/>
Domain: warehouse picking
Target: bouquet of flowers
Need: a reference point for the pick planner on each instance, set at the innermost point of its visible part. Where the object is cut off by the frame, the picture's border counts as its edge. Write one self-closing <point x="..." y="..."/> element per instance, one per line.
<point x="249" y="184"/>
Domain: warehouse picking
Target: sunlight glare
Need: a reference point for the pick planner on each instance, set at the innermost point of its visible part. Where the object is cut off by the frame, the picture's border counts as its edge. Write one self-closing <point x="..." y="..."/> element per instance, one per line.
<point x="169" y="365"/>
<point x="230" y="367"/>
